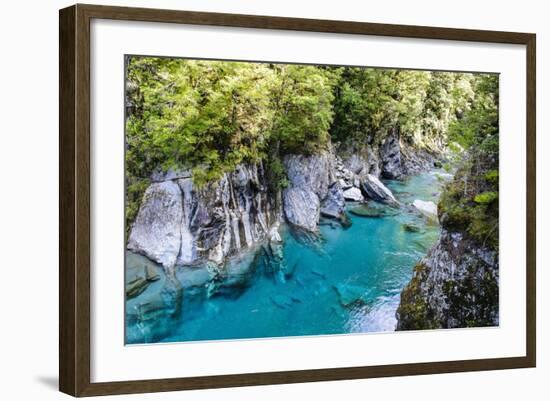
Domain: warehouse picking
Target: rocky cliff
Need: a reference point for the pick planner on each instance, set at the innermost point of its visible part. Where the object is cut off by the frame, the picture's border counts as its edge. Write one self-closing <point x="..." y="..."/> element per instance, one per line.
<point x="392" y="158"/>
<point x="313" y="190"/>
<point x="455" y="285"/>
<point x="179" y="224"/>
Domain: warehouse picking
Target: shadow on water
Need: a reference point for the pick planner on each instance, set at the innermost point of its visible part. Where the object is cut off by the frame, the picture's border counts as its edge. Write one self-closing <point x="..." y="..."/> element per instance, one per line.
<point x="340" y="281"/>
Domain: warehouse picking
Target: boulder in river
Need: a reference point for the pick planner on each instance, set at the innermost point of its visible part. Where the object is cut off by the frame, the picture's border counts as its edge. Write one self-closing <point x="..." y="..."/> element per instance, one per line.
<point x="378" y="191"/>
<point x="334" y="205"/>
<point x="310" y="178"/>
<point x="350" y="294"/>
<point x="353" y="194"/>
<point x="364" y="210"/>
<point x="301" y="208"/>
<point x="427" y="208"/>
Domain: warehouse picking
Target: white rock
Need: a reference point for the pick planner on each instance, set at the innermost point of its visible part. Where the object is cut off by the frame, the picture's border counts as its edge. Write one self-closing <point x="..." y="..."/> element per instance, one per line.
<point x="344" y="184"/>
<point x="302" y="208"/>
<point x="353" y="194"/>
<point x="378" y="191"/>
<point x="310" y="173"/>
<point x="156" y="233"/>
<point x="427" y="208"/>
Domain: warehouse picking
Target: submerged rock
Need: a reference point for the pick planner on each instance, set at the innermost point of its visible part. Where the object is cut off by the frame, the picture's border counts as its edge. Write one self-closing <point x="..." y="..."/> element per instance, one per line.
<point x="378" y="191"/>
<point x="273" y="255"/>
<point x="350" y="294"/>
<point x="151" y="274"/>
<point x="427" y="208"/>
<point x="283" y="301"/>
<point x="153" y="313"/>
<point x="411" y="228"/>
<point x="345" y="221"/>
<point x="136" y="287"/>
<point x="318" y="273"/>
<point x="369" y="211"/>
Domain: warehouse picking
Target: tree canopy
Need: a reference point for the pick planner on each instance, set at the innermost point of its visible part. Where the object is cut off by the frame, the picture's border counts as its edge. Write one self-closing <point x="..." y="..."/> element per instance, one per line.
<point x="209" y="116"/>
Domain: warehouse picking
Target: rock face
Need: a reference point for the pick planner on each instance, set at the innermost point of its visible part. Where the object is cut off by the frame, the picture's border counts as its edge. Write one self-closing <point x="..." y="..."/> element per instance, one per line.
<point x="397" y="161"/>
<point x="312" y="173"/>
<point x="455" y="285"/>
<point x="156" y="232"/>
<point x="378" y="191"/>
<point x="161" y="176"/>
<point x="313" y="188"/>
<point x="362" y="162"/>
<point x="427" y="208"/>
<point x="390" y="155"/>
<point x="178" y="224"/>
<point x="418" y="161"/>
<point x="334" y="204"/>
<point x="301" y="208"/>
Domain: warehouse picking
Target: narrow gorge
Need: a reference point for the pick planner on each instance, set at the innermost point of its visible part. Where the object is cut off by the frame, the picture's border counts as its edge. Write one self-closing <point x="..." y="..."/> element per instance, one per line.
<point x="352" y="216"/>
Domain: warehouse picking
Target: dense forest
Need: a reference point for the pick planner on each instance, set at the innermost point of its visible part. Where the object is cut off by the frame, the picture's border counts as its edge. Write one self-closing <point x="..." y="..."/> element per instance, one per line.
<point x="209" y="117"/>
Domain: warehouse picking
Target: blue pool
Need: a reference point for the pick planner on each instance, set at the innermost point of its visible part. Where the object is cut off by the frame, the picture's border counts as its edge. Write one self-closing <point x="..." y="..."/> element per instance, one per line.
<point x="347" y="282"/>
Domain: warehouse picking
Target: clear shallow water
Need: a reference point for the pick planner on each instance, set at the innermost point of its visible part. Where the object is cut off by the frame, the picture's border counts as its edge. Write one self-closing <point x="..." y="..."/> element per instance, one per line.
<point x="349" y="282"/>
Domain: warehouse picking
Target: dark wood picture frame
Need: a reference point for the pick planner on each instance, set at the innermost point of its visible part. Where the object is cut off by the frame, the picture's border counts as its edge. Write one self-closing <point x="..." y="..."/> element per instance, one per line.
<point x="74" y="199"/>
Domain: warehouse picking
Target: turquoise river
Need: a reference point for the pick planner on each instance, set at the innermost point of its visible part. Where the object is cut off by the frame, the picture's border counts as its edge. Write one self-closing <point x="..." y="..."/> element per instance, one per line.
<point x="347" y="282"/>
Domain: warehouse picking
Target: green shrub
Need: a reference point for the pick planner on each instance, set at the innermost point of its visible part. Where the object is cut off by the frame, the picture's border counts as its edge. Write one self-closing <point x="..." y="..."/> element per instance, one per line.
<point x="485" y="198"/>
<point x="492" y="176"/>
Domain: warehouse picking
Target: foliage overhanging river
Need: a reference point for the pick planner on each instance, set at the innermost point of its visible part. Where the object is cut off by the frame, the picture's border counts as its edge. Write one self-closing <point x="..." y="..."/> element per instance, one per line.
<point x="349" y="282"/>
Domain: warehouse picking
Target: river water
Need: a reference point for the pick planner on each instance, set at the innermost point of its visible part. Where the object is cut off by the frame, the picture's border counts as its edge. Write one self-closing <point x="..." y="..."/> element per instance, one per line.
<point x="348" y="282"/>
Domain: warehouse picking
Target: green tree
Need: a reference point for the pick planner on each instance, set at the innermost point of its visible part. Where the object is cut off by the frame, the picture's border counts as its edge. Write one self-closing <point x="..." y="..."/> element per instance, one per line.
<point x="302" y="104"/>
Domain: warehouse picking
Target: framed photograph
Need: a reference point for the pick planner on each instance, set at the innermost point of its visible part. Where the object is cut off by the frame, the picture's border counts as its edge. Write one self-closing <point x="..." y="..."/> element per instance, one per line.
<point x="250" y="200"/>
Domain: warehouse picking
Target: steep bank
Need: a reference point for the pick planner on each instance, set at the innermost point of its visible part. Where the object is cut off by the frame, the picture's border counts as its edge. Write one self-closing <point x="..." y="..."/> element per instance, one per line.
<point x="457" y="283"/>
<point x="180" y="224"/>
<point x="393" y="157"/>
